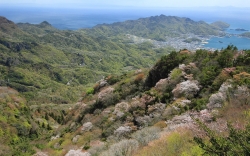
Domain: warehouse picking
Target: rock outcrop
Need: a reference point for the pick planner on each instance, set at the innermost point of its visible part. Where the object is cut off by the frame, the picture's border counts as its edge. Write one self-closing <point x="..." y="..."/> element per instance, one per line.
<point x="77" y="153"/>
<point x="87" y="126"/>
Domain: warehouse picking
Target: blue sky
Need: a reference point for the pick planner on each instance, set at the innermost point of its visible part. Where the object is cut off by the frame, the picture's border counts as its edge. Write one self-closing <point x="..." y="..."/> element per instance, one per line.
<point x="127" y="3"/>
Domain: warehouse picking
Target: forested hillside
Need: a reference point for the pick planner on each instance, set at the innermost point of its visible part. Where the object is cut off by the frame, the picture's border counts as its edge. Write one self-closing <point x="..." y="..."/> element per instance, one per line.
<point x="74" y="93"/>
<point x="36" y="59"/>
<point x="158" y="27"/>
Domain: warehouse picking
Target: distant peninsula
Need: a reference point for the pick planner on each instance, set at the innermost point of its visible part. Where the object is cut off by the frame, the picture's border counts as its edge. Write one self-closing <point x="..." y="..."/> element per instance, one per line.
<point x="220" y="25"/>
<point x="240" y="29"/>
<point x="159" y="27"/>
<point x="246" y="34"/>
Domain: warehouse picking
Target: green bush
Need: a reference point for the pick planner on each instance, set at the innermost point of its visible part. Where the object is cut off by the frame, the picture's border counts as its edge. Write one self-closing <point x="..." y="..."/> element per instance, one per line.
<point x="236" y="143"/>
<point x="90" y="91"/>
<point x="199" y="104"/>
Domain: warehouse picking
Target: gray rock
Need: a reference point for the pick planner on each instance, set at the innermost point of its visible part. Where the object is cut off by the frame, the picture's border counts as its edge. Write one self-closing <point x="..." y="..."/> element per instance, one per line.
<point x="55" y="137"/>
<point x="57" y="146"/>
<point x="75" y="139"/>
<point x="40" y="154"/>
<point x="103" y="83"/>
<point x="87" y="126"/>
<point x="77" y="153"/>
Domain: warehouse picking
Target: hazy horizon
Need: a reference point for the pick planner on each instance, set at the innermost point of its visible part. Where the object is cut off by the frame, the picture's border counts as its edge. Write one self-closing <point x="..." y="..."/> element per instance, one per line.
<point x="124" y="3"/>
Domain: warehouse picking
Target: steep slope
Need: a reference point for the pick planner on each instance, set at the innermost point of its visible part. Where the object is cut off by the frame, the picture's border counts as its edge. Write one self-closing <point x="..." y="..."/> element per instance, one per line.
<point x="51" y="110"/>
<point x="36" y="59"/>
<point x="9" y="30"/>
<point x="123" y="115"/>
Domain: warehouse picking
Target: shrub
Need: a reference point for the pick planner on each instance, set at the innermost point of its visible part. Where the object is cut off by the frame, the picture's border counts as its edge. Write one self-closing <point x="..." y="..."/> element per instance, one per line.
<point x="222" y="77"/>
<point x="90" y="91"/>
<point x="236" y="143"/>
<point x="160" y="124"/>
<point x="242" y="78"/>
<point x="112" y="79"/>
<point x="122" y="148"/>
<point x="176" y="143"/>
<point x="187" y="89"/>
<point x="199" y="104"/>
<point x="139" y="78"/>
<point x="163" y="67"/>
<point x="225" y="58"/>
<point x="175" y="74"/>
<point x="146" y="135"/>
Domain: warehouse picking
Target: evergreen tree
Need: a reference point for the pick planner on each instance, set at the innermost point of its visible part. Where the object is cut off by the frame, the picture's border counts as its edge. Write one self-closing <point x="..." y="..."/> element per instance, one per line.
<point x="236" y="143"/>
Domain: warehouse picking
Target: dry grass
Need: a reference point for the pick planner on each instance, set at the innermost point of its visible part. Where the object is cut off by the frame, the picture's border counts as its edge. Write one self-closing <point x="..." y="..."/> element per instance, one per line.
<point x="180" y="142"/>
<point x="236" y="113"/>
<point x="160" y="124"/>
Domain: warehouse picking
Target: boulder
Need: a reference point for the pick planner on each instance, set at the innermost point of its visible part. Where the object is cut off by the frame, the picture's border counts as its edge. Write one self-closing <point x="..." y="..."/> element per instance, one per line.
<point x="87" y="126"/>
<point x="103" y="83"/>
<point x="75" y="139"/>
<point x="55" y="137"/>
<point x="77" y="153"/>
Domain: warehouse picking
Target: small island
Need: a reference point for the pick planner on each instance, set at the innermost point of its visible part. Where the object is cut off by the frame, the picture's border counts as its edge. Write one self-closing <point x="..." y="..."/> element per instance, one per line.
<point x="240" y="29"/>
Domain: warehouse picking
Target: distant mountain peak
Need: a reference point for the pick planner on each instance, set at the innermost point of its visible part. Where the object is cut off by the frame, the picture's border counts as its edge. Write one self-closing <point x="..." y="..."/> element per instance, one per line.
<point x="220" y="24"/>
<point x="7" y="27"/>
<point x="5" y="20"/>
<point x="44" y="24"/>
<point x="157" y="27"/>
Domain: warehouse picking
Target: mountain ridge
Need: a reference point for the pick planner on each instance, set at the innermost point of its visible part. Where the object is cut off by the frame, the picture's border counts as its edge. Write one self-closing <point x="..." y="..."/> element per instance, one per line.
<point x="68" y="92"/>
<point x="156" y="27"/>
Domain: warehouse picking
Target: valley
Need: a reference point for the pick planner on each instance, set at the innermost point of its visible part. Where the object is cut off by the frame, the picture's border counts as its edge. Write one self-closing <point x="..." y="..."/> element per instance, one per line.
<point x="139" y="87"/>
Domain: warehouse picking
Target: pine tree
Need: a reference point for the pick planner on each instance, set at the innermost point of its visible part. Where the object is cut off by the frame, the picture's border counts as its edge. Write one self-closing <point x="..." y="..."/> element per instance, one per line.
<point x="236" y="143"/>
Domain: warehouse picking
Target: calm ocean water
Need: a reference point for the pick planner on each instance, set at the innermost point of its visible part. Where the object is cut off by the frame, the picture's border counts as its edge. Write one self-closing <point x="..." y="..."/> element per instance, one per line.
<point x="86" y="18"/>
<point x="233" y="39"/>
<point x="219" y="43"/>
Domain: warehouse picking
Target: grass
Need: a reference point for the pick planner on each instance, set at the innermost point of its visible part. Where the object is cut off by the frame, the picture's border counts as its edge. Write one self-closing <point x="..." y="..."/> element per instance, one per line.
<point x="180" y="142"/>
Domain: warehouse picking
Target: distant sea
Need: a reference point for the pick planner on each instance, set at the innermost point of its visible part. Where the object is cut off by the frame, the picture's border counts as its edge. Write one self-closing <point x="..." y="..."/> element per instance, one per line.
<point x="233" y="37"/>
<point x="74" y="19"/>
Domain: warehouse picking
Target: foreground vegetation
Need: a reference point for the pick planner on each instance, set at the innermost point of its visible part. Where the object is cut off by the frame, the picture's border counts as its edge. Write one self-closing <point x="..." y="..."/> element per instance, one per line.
<point x="65" y="92"/>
